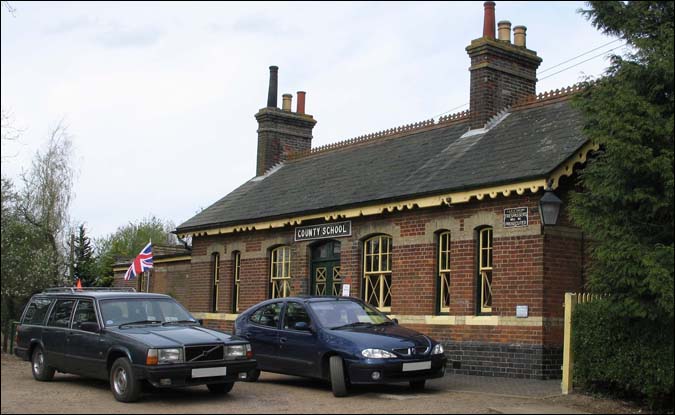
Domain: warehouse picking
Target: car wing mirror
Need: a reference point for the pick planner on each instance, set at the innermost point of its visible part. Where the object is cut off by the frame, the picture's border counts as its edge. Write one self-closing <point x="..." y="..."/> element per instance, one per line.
<point x="200" y="321"/>
<point x="90" y="327"/>
<point x="302" y="326"/>
<point x="395" y="321"/>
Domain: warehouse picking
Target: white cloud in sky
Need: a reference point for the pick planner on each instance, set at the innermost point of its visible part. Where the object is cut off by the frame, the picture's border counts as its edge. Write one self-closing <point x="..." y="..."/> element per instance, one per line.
<point x="160" y="97"/>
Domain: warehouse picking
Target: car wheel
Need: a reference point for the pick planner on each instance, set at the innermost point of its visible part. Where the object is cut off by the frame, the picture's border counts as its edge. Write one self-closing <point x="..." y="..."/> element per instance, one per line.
<point x="253" y="375"/>
<point x="417" y="385"/>
<point x="123" y="383"/>
<point x="41" y="370"/>
<point x="338" y="381"/>
<point x="220" y="388"/>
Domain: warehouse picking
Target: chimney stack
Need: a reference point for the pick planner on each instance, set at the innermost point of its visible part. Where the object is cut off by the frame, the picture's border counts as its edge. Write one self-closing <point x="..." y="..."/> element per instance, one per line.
<point x="281" y="131"/>
<point x="272" y="91"/>
<point x="519" y="36"/>
<point x="489" y="20"/>
<point x="286" y="102"/>
<point x="502" y="73"/>
<point x="504" y="31"/>
<point x="301" y="102"/>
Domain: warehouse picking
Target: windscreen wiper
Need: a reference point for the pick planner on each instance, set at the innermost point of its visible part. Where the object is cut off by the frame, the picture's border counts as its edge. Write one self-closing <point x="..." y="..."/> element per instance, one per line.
<point x="356" y="324"/>
<point x="139" y="322"/>
<point x="166" y="323"/>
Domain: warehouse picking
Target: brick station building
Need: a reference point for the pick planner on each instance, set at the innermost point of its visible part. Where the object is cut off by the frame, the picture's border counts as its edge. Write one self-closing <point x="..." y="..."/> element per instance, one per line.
<point x="436" y="223"/>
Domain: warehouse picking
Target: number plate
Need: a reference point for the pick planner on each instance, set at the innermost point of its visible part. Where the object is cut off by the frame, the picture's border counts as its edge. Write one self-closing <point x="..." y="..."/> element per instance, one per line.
<point x="409" y="367"/>
<point x="209" y="372"/>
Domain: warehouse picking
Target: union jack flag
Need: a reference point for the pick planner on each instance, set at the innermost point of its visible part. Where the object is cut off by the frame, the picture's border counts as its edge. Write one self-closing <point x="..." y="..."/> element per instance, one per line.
<point x="142" y="262"/>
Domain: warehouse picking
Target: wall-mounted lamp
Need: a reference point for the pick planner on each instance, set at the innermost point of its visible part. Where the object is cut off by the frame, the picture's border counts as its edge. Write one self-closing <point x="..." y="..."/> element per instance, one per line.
<point x="549" y="206"/>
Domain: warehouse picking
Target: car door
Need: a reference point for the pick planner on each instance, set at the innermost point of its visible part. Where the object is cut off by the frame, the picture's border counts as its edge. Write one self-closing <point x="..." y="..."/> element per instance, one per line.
<point x="54" y="334"/>
<point x="85" y="347"/>
<point x="263" y="333"/>
<point x="298" y="342"/>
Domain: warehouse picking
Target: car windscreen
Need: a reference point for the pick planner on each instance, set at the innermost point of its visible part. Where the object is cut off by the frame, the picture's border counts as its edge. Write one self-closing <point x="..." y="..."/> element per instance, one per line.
<point x="128" y="310"/>
<point x="339" y="313"/>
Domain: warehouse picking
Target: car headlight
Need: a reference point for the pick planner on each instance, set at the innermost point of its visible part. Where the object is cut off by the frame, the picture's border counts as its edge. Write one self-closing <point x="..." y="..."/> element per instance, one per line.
<point x="235" y="351"/>
<point x="438" y="349"/>
<point x="164" y="356"/>
<point x="377" y="354"/>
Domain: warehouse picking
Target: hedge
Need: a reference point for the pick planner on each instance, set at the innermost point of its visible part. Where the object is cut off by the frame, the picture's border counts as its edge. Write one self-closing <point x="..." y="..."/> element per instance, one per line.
<point x="631" y="357"/>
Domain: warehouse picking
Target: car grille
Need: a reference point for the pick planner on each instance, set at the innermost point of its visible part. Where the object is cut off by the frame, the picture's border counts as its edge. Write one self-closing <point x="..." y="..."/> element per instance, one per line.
<point x="207" y="353"/>
<point x="412" y="351"/>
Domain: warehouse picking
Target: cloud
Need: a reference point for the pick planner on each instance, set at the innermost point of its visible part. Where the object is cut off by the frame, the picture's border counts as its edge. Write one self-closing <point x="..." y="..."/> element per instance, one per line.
<point x="69" y="25"/>
<point x="116" y="36"/>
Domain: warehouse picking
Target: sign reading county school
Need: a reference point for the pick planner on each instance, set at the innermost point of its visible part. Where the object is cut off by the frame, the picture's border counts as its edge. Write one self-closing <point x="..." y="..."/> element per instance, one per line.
<point x="515" y="217"/>
<point x="324" y="230"/>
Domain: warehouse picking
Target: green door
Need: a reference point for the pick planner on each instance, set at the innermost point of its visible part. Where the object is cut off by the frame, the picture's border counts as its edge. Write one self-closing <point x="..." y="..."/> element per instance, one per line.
<point x="326" y="274"/>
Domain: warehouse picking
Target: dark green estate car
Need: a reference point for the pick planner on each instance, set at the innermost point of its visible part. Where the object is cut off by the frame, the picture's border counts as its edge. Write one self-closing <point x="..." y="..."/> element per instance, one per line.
<point x="127" y="338"/>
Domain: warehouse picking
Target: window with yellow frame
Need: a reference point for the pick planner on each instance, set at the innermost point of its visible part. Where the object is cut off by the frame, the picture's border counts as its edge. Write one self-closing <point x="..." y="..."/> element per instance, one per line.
<point x="280" y="273"/>
<point x="235" y="291"/>
<point x="377" y="272"/>
<point x="485" y="269"/>
<point x="215" y="278"/>
<point x="443" y="293"/>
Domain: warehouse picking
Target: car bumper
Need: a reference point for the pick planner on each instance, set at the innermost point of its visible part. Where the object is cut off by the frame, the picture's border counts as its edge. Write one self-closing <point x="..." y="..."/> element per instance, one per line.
<point x="21" y="353"/>
<point x="181" y="375"/>
<point x="361" y="372"/>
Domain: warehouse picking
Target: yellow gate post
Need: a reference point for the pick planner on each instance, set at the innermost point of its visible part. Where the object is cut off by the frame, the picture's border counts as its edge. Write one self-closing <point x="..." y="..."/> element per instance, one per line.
<point x="568" y="363"/>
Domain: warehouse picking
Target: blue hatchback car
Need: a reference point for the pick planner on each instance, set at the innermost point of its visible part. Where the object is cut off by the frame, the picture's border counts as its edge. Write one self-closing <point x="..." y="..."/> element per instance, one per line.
<point x="339" y="339"/>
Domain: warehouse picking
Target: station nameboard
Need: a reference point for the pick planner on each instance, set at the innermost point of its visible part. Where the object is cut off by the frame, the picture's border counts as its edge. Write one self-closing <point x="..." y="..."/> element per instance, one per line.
<point x="324" y="230"/>
<point x="515" y="217"/>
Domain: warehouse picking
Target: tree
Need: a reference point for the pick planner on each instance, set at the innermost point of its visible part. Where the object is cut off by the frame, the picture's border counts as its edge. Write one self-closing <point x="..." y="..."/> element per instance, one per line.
<point x="127" y="242"/>
<point x="84" y="266"/>
<point x="34" y="219"/>
<point x="627" y="202"/>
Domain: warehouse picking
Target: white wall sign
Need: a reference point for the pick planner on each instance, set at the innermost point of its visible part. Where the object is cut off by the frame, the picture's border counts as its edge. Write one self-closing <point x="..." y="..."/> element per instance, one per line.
<point x="345" y="289"/>
<point x="521" y="311"/>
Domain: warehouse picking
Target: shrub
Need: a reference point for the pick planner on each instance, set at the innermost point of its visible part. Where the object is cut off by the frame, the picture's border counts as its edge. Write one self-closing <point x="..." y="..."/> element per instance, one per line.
<point x="628" y="356"/>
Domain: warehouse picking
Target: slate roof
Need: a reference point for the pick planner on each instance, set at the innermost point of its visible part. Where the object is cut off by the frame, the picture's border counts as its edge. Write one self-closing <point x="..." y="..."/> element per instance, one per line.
<point x="528" y="144"/>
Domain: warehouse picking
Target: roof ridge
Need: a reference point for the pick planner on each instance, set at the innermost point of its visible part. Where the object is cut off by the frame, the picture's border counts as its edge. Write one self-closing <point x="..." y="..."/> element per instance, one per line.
<point x="558" y="94"/>
<point x="387" y="133"/>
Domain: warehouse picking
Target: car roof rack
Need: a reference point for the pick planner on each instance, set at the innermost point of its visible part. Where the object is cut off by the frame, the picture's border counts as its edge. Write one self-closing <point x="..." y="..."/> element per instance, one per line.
<point x="75" y="289"/>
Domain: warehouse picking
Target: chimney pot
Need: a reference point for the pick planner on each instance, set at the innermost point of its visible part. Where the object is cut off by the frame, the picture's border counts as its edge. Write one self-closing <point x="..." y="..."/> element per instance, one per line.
<point x="504" y="31"/>
<point x="489" y="20"/>
<point x="272" y="91"/>
<point x="286" y="103"/>
<point x="301" y="102"/>
<point x="519" y="36"/>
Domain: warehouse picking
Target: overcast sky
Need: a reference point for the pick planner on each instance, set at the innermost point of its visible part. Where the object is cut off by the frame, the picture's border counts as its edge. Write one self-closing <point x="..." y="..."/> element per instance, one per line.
<point x="160" y="98"/>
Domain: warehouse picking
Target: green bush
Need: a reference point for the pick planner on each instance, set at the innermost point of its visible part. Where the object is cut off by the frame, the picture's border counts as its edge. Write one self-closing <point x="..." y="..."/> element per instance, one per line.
<point x="628" y="356"/>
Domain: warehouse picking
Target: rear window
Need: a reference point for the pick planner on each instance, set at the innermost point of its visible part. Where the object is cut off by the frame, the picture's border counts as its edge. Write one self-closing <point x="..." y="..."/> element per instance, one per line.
<point x="37" y="311"/>
<point x="267" y="315"/>
<point x="60" y="316"/>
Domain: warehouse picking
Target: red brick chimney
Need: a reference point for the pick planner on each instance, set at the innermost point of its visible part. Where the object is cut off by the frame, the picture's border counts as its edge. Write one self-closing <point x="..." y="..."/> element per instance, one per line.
<point x="502" y="73"/>
<point x="281" y="131"/>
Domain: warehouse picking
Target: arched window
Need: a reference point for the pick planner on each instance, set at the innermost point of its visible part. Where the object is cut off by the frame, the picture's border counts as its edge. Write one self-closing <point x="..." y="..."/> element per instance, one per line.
<point x="215" y="274"/>
<point x="485" y="269"/>
<point x="236" y="265"/>
<point x="280" y="273"/>
<point x="443" y="292"/>
<point x="377" y="272"/>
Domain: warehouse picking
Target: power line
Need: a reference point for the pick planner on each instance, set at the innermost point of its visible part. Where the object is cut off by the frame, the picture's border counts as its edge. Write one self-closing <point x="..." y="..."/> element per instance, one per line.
<point x="578" y="56"/>
<point x="557" y="65"/>
<point x="584" y="61"/>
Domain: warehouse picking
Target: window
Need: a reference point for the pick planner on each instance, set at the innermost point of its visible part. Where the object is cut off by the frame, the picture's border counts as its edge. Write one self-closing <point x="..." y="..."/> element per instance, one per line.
<point x="295" y="313"/>
<point x="84" y="313"/>
<point x="215" y="272"/>
<point x="268" y="315"/>
<point x="443" y="293"/>
<point x="235" y="292"/>
<point x="60" y="316"/>
<point x="37" y="311"/>
<point x="485" y="269"/>
<point x="280" y="273"/>
<point x="377" y="272"/>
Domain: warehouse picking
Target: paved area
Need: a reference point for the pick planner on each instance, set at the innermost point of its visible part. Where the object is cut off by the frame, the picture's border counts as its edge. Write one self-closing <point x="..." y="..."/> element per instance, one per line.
<point x="286" y="394"/>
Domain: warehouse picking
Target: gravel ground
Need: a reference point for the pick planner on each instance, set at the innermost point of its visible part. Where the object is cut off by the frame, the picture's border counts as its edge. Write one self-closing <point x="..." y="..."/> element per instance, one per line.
<point x="275" y="394"/>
